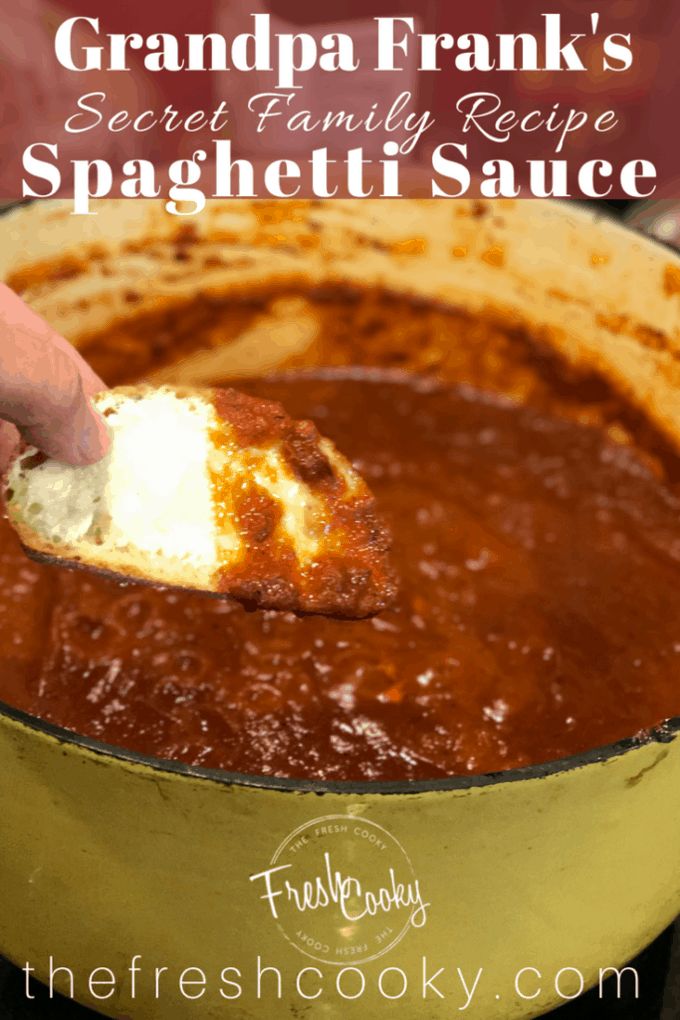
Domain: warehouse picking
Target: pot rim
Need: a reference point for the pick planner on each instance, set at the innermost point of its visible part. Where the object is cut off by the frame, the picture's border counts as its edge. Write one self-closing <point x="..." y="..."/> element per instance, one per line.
<point x="663" y="733"/>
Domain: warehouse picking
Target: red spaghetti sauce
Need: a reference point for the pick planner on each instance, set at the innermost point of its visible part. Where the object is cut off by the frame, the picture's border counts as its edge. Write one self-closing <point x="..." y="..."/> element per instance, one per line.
<point x="539" y="566"/>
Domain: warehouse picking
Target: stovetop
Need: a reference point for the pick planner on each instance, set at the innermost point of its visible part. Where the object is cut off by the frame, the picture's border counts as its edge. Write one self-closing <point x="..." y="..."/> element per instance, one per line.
<point x="658" y="968"/>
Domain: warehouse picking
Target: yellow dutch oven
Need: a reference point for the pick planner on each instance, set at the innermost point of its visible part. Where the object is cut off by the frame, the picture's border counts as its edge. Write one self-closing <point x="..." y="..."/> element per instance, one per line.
<point x="162" y="887"/>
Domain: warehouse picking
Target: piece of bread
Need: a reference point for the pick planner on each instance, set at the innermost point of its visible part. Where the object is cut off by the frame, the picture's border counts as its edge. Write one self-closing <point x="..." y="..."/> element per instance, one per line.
<point x="212" y="490"/>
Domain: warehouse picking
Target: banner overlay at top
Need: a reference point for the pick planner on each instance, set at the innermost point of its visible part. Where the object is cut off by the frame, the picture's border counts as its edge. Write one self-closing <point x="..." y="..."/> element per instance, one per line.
<point x="365" y="98"/>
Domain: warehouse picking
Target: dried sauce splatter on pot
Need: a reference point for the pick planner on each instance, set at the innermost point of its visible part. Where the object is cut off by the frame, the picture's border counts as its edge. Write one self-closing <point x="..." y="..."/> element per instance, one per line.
<point x="539" y="567"/>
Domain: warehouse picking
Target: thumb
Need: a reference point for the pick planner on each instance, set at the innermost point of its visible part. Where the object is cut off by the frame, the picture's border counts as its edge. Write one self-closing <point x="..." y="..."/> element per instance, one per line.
<point x="42" y="387"/>
<point x="64" y="425"/>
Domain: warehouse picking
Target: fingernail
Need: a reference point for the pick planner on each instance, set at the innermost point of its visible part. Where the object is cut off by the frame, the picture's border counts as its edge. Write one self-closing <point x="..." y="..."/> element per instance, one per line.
<point x="93" y="436"/>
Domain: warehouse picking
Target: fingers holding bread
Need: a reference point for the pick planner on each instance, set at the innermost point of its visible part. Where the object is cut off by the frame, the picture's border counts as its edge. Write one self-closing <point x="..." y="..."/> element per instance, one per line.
<point x="213" y="490"/>
<point x="45" y="387"/>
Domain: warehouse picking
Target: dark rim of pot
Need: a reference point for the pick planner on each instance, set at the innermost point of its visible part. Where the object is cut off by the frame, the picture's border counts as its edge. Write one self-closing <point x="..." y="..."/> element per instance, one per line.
<point x="664" y="733"/>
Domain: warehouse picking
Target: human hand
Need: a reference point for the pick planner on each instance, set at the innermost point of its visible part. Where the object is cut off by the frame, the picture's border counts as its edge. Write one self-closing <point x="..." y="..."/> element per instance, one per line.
<point x="44" y="389"/>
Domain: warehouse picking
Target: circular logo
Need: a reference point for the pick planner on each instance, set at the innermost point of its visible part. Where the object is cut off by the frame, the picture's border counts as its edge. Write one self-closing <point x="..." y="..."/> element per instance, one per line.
<point x="342" y="890"/>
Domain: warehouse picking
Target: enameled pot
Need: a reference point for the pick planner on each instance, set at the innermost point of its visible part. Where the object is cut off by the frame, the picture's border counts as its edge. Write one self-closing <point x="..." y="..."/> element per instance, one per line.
<point x="496" y="896"/>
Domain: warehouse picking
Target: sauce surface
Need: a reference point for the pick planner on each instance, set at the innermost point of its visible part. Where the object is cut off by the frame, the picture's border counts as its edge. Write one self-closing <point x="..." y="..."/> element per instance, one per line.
<point x="539" y="566"/>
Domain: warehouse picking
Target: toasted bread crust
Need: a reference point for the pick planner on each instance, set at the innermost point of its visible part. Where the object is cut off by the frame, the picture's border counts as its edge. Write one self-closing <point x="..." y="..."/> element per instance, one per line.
<point x="52" y="555"/>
